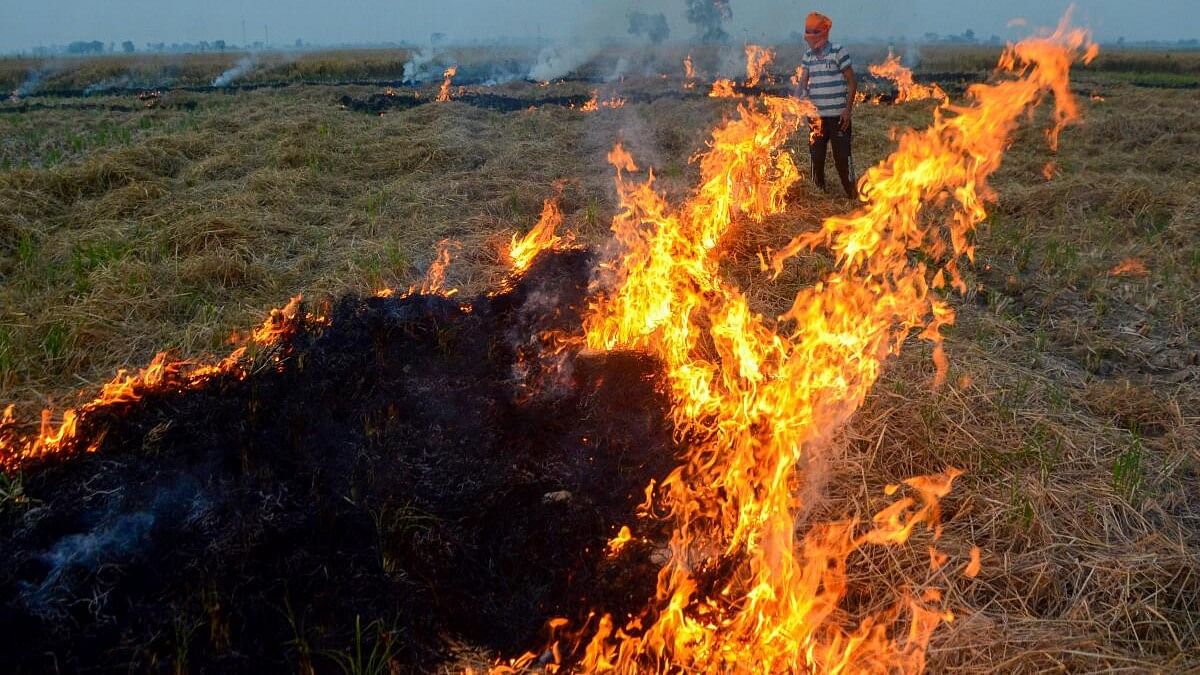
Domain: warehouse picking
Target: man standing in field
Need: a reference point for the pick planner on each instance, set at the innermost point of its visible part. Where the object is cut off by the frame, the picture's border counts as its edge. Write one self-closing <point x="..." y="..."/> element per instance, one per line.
<point x="829" y="82"/>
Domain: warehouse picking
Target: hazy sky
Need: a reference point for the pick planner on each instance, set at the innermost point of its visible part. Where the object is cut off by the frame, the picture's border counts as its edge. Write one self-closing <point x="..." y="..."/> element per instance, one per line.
<point x="25" y="23"/>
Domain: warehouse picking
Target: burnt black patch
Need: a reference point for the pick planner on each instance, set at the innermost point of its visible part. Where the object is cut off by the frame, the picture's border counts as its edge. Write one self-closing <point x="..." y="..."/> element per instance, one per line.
<point x="418" y="462"/>
<point x="399" y="100"/>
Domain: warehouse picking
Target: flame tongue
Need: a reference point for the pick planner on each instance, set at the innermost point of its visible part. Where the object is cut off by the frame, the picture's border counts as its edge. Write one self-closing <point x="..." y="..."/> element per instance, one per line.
<point x="722" y="88"/>
<point x="757" y="399"/>
<point x="543" y="235"/>
<point x="164" y="374"/>
<point x="906" y="88"/>
<point x="444" y="90"/>
<point x="757" y="60"/>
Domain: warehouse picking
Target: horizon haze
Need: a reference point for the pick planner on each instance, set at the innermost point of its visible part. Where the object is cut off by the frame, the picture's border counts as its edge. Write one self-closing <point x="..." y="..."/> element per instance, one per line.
<point x="279" y="23"/>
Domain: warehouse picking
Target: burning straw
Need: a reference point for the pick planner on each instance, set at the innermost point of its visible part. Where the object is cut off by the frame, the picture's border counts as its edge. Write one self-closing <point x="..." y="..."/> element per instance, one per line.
<point x="756" y="401"/>
<point x="907" y="89"/>
<point x="760" y="400"/>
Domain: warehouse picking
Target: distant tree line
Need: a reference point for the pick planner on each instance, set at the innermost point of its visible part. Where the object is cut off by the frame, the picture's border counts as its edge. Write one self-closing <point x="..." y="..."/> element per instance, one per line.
<point x="707" y="14"/>
<point x="83" y="47"/>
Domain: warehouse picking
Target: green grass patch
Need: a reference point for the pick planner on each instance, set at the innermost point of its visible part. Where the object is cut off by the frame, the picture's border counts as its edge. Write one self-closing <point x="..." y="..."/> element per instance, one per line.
<point x="1127" y="472"/>
<point x="1161" y="80"/>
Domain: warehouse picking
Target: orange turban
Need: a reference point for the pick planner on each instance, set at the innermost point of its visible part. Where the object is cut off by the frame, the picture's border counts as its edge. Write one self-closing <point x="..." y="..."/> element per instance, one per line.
<point x="818" y="22"/>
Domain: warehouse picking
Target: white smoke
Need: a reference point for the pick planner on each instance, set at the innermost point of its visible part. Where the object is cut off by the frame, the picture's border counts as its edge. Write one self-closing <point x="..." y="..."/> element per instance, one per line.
<point x="619" y="70"/>
<point x="122" y="82"/>
<point x="33" y="80"/>
<point x="420" y="67"/>
<point x="30" y="85"/>
<point x="84" y="552"/>
<point x="507" y="73"/>
<point x="732" y="62"/>
<point x="118" y="535"/>
<point x="558" y="60"/>
<point x="244" y="65"/>
<point x="912" y="54"/>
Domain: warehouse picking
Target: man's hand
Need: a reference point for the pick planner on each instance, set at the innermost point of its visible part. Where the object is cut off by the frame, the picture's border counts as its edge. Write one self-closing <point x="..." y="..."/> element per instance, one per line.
<point x="845" y="120"/>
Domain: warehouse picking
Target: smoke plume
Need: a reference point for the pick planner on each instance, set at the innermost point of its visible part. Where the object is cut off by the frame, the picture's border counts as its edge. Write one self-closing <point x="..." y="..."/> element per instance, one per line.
<point x="557" y="60"/>
<point x="708" y="15"/>
<point x="244" y="65"/>
<point x="420" y="66"/>
<point x="651" y="26"/>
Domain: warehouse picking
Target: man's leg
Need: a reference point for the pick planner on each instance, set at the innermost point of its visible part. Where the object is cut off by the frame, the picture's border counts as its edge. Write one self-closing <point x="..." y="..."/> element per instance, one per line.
<point x="842" y="158"/>
<point x="818" y="141"/>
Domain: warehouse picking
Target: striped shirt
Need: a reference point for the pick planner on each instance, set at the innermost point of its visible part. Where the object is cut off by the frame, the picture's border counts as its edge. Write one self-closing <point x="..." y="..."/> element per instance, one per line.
<point x="827" y="86"/>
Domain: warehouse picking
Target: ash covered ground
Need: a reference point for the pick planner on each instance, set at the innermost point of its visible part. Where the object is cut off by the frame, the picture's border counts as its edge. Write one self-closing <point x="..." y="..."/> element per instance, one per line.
<point x="414" y="468"/>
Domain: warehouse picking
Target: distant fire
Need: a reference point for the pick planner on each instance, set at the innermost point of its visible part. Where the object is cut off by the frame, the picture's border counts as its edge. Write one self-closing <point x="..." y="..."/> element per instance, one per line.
<point x="595" y="103"/>
<point x="689" y="73"/>
<point x="757" y="60"/>
<point x="906" y="88"/>
<point x="444" y="91"/>
<point x="723" y="88"/>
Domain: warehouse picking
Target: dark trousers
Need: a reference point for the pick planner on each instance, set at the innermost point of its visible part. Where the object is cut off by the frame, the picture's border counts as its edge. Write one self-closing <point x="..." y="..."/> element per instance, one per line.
<point x="829" y="130"/>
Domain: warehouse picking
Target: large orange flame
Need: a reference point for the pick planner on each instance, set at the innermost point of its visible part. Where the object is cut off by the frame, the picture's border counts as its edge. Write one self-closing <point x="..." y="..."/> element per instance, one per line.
<point x="758" y="400"/>
<point x="906" y="88"/>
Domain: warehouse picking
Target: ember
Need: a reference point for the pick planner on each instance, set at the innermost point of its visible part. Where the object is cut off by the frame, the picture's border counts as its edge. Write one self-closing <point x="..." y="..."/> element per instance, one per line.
<point x="1129" y="267"/>
<point x="444" y="91"/>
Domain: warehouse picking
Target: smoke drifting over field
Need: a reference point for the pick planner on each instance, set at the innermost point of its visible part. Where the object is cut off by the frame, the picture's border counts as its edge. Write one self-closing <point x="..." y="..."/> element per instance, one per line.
<point x="239" y="69"/>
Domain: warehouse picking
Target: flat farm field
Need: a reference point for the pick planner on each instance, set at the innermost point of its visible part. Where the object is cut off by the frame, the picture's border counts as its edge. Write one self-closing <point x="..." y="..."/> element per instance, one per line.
<point x="141" y="218"/>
